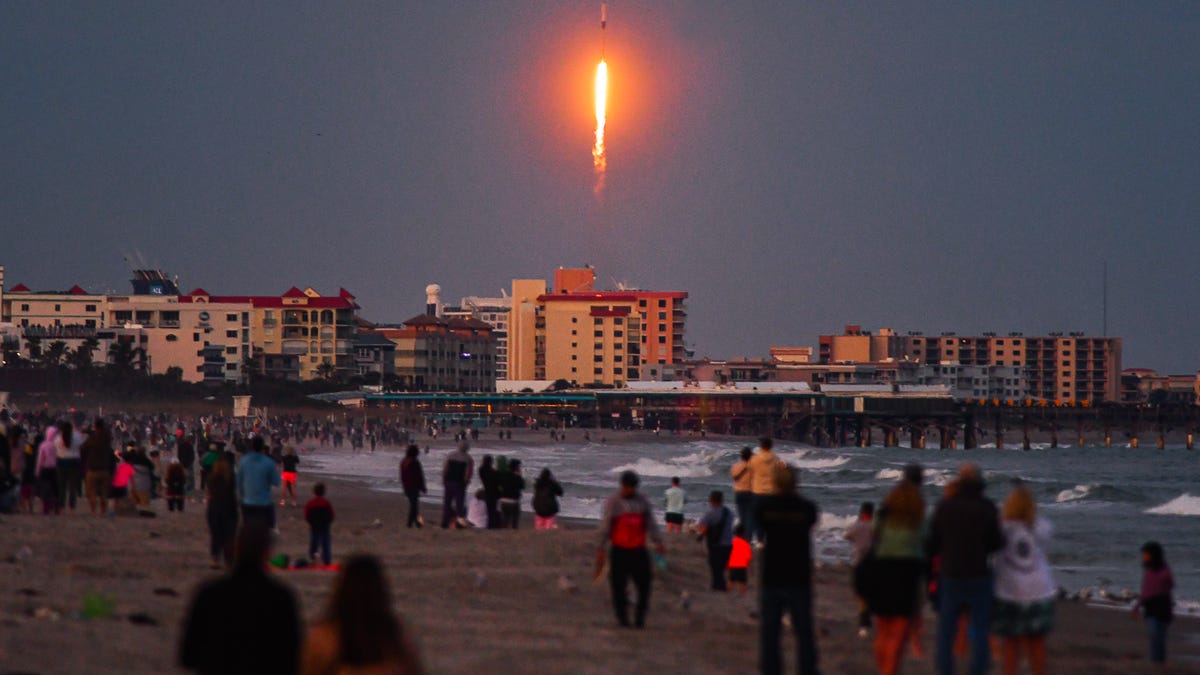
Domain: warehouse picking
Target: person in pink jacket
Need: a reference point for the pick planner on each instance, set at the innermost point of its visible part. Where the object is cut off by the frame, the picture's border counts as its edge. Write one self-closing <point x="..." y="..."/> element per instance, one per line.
<point x="47" y="472"/>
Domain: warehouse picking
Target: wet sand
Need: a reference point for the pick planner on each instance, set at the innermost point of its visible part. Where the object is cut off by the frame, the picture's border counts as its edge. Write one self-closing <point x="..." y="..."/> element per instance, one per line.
<point x="475" y="601"/>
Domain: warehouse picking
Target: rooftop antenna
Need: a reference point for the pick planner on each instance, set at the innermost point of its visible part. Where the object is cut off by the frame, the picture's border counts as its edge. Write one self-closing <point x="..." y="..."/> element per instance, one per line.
<point x="1104" y="304"/>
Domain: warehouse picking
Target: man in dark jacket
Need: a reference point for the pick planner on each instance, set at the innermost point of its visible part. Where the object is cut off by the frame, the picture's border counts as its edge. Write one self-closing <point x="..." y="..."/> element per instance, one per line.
<point x="456" y="476"/>
<point x="786" y="520"/>
<point x="98" y="463"/>
<point x="964" y="531"/>
<point x="247" y="622"/>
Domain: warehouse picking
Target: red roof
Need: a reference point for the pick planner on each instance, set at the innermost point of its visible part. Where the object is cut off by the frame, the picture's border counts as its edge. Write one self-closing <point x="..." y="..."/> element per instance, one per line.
<point x="343" y="293"/>
<point x="294" y="292"/>
<point x="424" y="320"/>
<point x="197" y="292"/>
<point x="77" y="290"/>
<point x="20" y="288"/>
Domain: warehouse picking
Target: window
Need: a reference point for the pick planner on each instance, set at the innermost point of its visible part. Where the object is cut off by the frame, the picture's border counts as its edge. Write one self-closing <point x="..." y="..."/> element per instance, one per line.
<point x="662" y="327"/>
<point x="574" y="319"/>
<point x="618" y="358"/>
<point x="24" y="308"/>
<point x="573" y="369"/>
<point x="574" y="345"/>
<point x="231" y="317"/>
<point x="195" y="337"/>
<point x="619" y="346"/>
<point x="662" y="339"/>
<point x="598" y="321"/>
<point x="231" y="334"/>
<point x="617" y="371"/>
<point x="618" y="333"/>
<point x="662" y="316"/>
<point x="89" y="308"/>
<point x="618" y="321"/>
<point x="599" y="346"/>
<point x="662" y="303"/>
<point x="171" y="337"/>
<point x="58" y="308"/>
<point x="574" y="332"/>
<point x="598" y="358"/>
<point x="598" y="333"/>
<point x="597" y="371"/>
<point x="232" y="351"/>
<point x="641" y="303"/>
<point x="574" y="357"/>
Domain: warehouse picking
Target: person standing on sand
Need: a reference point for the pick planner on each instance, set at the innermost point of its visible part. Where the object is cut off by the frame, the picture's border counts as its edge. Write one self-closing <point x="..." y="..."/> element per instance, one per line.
<point x="512" y="486"/>
<point x="412" y="479"/>
<point x="98" y="463"/>
<point x="626" y="523"/>
<point x="47" y="472"/>
<point x="318" y="513"/>
<point x="861" y="536"/>
<point x="1024" y="607"/>
<point x="289" y="462"/>
<point x="763" y="466"/>
<point x="221" y="513"/>
<point x="490" y="479"/>
<point x="894" y="595"/>
<point x="546" y="492"/>
<point x="246" y="622"/>
<point x="787" y="520"/>
<point x="70" y="477"/>
<point x="964" y="531"/>
<point x="256" y="475"/>
<point x="359" y="632"/>
<point x="456" y="476"/>
<point x="1155" y="600"/>
<point x="716" y="530"/>
<point x="674" y="499"/>
<point x="743" y="494"/>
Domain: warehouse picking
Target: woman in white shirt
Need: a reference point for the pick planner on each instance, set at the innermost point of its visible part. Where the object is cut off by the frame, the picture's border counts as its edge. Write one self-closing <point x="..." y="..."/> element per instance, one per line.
<point x="1024" y="608"/>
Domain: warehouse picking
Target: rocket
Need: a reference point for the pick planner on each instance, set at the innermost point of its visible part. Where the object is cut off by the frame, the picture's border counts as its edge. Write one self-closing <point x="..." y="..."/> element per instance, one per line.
<point x="603" y="14"/>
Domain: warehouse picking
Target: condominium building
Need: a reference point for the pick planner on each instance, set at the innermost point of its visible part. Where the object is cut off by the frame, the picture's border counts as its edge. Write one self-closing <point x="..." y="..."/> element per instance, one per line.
<point x="436" y="354"/>
<point x="593" y="338"/>
<point x="1069" y="368"/>
<point x="495" y="313"/>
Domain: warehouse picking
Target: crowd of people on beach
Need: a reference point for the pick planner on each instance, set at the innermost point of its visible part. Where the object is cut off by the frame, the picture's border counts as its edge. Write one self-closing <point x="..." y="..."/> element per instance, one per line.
<point x="985" y="570"/>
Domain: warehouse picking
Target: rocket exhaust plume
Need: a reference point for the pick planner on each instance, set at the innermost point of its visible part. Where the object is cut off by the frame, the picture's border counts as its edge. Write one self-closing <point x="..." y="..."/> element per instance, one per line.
<point x="599" y="155"/>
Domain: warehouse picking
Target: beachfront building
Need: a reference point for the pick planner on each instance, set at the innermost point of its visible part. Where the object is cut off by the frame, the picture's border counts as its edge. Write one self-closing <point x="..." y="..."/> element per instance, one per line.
<point x="436" y="354"/>
<point x="1072" y="368"/>
<point x="208" y="343"/>
<point x="299" y="335"/>
<point x="492" y="311"/>
<point x="594" y="338"/>
<point x="373" y="353"/>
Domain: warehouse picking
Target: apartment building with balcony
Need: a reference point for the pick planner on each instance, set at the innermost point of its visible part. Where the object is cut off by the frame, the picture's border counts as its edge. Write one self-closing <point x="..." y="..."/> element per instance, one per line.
<point x="209" y="342"/>
<point x="495" y="313"/>
<point x="594" y="338"/>
<point x="436" y="354"/>
<point x="1057" y="367"/>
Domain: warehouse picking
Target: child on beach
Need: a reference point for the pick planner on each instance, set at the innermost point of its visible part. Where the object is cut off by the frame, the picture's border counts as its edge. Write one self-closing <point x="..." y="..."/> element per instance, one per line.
<point x="318" y="512"/>
<point x="176" y="482"/>
<point x="122" y="476"/>
<point x="1155" y="600"/>
<point x="289" y="462"/>
<point x="739" y="560"/>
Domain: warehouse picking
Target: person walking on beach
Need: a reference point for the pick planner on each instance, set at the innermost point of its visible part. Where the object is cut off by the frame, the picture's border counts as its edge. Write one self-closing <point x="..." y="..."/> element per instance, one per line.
<point x="456" y="476"/>
<point x="546" y="492"/>
<point x="1024" y="607"/>
<point x="894" y="592"/>
<point x="787" y="520"/>
<point x="289" y="462"/>
<point x="98" y="464"/>
<point x="1155" y="599"/>
<point x="256" y="476"/>
<point x="221" y="514"/>
<point x="743" y="494"/>
<point x="490" y="478"/>
<point x="318" y="513"/>
<point x="625" y="524"/>
<point x="674" y="498"/>
<point x="176" y="482"/>
<point x="964" y="531"/>
<point x="716" y="530"/>
<point x="246" y="622"/>
<point x="861" y="536"/>
<point x="359" y="632"/>
<point x="412" y="479"/>
<point x="763" y="466"/>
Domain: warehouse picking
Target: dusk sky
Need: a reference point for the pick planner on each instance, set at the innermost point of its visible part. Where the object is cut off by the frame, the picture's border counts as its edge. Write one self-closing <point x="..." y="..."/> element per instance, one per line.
<point x="793" y="166"/>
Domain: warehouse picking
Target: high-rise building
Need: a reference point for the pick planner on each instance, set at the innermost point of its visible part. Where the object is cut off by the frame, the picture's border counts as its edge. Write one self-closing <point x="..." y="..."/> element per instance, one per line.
<point x="592" y="338"/>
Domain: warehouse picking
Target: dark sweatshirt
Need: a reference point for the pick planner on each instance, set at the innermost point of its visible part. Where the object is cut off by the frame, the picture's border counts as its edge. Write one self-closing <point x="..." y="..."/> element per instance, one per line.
<point x="964" y="531"/>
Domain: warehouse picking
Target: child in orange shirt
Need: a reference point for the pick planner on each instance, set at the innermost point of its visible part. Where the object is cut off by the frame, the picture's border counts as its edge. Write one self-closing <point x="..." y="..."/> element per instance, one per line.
<point x="739" y="559"/>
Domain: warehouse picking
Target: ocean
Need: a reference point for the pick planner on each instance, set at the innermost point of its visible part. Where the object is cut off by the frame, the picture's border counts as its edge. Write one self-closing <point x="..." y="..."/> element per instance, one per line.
<point x="1104" y="503"/>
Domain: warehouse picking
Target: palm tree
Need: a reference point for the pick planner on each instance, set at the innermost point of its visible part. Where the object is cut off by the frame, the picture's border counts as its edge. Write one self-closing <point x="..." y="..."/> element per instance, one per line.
<point x="121" y="356"/>
<point x="327" y="371"/>
<point x="56" y="353"/>
<point x="34" y="345"/>
<point x="82" y="357"/>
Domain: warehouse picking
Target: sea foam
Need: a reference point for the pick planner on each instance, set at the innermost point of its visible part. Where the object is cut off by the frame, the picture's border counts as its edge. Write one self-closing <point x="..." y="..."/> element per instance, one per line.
<point x="1183" y="505"/>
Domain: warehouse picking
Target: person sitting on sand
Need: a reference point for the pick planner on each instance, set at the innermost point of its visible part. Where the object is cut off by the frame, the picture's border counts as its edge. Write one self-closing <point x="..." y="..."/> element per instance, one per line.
<point x="245" y="622"/>
<point x="359" y="632"/>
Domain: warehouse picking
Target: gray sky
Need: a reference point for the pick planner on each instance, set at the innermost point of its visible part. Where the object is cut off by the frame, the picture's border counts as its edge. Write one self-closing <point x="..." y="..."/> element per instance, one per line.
<point x="793" y="166"/>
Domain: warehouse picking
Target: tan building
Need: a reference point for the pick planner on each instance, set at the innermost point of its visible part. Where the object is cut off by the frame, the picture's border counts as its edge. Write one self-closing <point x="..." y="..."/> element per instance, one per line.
<point x="207" y="342"/>
<point x="593" y="338"/>
<point x="1072" y="368"/>
<point x="436" y="354"/>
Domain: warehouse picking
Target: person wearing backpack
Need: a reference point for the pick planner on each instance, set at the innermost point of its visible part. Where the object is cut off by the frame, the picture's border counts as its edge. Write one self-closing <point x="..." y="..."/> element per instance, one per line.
<point x="716" y="530"/>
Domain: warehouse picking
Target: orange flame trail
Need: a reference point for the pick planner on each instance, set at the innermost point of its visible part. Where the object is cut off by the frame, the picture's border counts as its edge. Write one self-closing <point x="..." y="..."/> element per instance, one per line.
<point x="599" y="155"/>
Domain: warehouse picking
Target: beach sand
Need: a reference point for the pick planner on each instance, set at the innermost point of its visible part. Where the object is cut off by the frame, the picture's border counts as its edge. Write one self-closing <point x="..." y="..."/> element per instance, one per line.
<point x="474" y="601"/>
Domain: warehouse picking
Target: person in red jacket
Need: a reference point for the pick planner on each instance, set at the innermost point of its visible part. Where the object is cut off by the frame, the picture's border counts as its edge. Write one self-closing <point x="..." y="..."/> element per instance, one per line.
<point x="624" y="528"/>
<point x="318" y="512"/>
